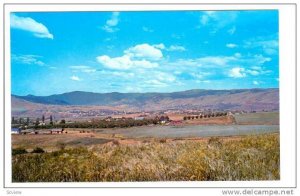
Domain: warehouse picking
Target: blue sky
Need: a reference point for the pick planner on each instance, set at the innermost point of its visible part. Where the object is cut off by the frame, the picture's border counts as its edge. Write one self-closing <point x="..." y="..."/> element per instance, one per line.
<point x="60" y="52"/>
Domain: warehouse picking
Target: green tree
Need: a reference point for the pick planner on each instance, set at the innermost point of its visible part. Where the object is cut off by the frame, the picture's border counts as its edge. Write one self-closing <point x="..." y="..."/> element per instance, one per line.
<point x="37" y="122"/>
<point x="51" y="120"/>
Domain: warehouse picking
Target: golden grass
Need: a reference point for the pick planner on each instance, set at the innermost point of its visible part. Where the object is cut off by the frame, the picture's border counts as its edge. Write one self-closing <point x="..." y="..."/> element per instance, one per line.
<point x="249" y="158"/>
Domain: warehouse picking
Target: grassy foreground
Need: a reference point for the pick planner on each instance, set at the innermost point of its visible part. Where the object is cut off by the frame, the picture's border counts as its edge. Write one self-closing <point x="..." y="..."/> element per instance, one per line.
<point x="249" y="158"/>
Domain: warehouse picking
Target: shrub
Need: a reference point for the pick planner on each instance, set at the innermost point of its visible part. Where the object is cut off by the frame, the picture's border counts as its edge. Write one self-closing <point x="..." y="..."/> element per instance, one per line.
<point x="17" y="151"/>
<point x="163" y="140"/>
<point x="38" y="150"/>
<point x="116" y="142"/>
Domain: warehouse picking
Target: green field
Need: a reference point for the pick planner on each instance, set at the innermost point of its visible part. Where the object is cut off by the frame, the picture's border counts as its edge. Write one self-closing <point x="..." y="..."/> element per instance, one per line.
<point x="261" y="118"/>
<point x="212" y="159"/>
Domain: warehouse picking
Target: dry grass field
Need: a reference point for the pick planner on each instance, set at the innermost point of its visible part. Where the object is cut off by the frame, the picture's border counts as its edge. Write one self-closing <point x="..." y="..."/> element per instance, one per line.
<point x="209" y="159"/>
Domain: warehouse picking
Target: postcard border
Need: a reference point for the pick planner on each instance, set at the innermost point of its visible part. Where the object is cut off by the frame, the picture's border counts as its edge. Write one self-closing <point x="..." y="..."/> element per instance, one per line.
<point x="294" y="4"/>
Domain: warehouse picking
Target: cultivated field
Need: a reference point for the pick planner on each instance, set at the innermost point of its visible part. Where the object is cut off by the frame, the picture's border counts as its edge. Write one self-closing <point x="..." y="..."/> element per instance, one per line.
<point x="211" y="159"/>
<point x="261" y="118"/>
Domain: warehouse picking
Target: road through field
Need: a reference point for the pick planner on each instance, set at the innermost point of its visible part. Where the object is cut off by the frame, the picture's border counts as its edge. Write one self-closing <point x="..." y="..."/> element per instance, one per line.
<point x="192" y="131"/>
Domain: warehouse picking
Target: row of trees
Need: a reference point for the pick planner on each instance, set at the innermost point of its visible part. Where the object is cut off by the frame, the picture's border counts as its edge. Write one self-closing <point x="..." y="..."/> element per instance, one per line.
<point x="20" y="121"/>
<point x="30" y="123"/>
<point x="122" y="123"/>
<point x="209" y="115"/>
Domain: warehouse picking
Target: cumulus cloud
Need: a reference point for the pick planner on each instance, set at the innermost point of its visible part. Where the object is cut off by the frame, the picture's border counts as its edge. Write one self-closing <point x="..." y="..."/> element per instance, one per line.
<point x="231" y="45"/>
<point x="124" y="62"/>
<point x="28" y="24"/>
<point x="111" y="23"/>
<point x="138" y="56"/>
<point x="28" y="59"/>
<point x="145" y="51"/>
<point x="237" y="72"/>
<point x="256" y="82"/>
<point x="75" y="78"/>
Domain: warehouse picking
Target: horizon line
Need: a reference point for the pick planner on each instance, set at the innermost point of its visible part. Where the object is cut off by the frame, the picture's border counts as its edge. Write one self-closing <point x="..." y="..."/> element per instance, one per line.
<point x="141" y="92"/>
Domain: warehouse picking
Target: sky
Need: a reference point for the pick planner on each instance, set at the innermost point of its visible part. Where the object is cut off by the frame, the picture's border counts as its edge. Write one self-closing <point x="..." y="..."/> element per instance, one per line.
<point x="153" y="51"/>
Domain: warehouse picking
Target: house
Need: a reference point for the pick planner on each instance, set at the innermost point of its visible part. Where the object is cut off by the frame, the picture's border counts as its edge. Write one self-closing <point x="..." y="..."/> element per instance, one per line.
<point x="58" y="131"/>
<point x="139" y="118"/>
<point x="15" y="130"/>
<point x="164" y="119"/>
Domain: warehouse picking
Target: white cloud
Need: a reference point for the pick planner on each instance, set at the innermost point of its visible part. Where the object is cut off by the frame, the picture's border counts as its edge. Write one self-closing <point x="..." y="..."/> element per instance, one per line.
<point x="237" y="55"/>
<point x="145" y="51"/>
<point x="257" y="70"/>
<point x="170" y="48"/>
<point x="165" y="77"/>
<point x="176" y="48"/>
<point x="147" y="29"/>
<point x="82" y="68"/>
<point x="111" y="23"/>
<point x="159" y="46"/>
<point x="216" y="60"/>
<point x="237" y="72"/>
<point x="155" y="83"/>
<point x="267" y="45"/>
<point x="208" y="61"/>
<point x="231" y="45"/>
<point x="28" y="59"/>
<point x="256" y="82"/>
<point x="177" y="36"/>
<point x="218" y="19"/>
<point x="28" y="24"/>
<point x="124" y="62"/>
<point x="204" y="19"/>
<point x="138" y="56"/>
<point x="75" y="78"/>
<point x="253" y="72"/>
<point x="232" y="30"/>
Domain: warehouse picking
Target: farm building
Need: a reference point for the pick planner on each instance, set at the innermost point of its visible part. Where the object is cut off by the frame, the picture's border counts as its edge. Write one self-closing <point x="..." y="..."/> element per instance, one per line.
<point x="52" y="131"/>
<point x="15" y="130"/>
<point x="164" y="119"/>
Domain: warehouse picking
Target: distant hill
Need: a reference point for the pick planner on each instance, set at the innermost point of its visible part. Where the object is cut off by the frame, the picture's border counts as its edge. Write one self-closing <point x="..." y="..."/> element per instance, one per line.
<point x="238" y="99"/>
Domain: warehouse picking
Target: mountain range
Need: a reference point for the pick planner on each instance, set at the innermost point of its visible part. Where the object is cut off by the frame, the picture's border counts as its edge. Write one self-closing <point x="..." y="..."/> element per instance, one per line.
<point x="237" y="99"/>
